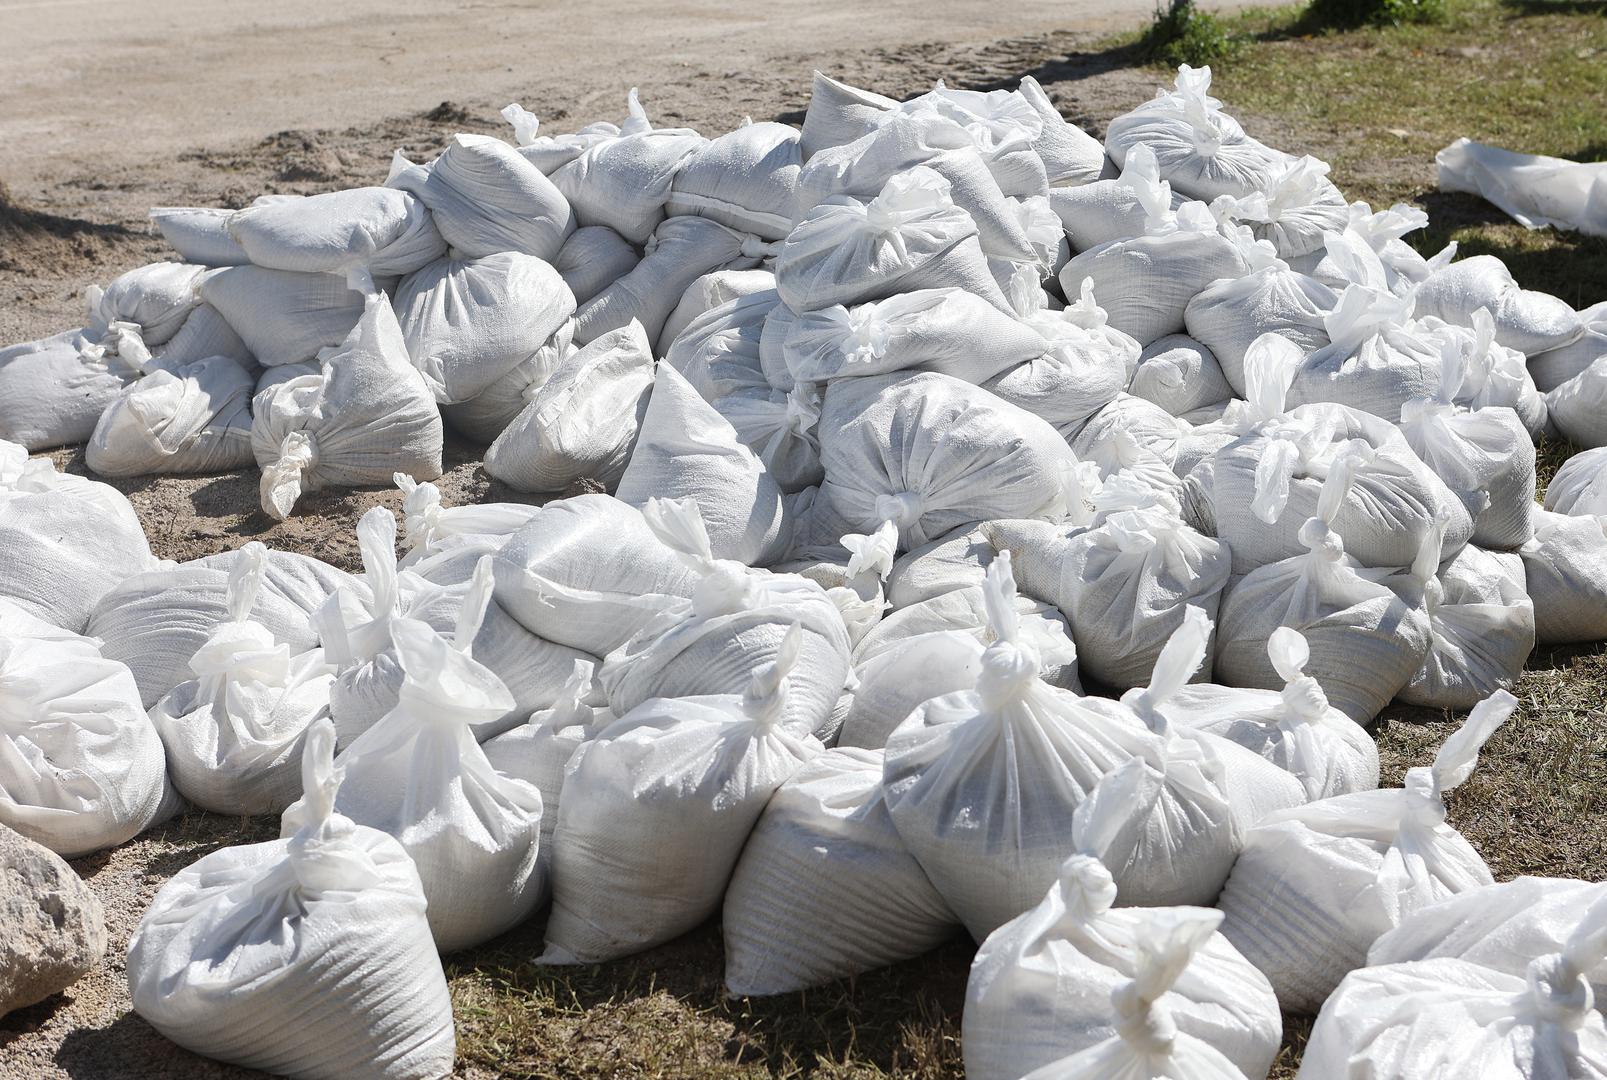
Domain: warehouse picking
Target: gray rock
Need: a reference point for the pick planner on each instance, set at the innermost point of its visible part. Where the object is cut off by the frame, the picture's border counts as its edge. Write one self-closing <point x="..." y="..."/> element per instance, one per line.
<point x="52" y="929"/>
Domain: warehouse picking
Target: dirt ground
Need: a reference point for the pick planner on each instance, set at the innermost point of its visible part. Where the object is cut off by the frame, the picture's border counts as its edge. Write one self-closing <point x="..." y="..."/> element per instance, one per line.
<point x="108" y="108"/>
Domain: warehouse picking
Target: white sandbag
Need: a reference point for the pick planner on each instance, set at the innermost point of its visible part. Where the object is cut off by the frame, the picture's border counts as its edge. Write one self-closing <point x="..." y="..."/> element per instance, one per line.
<point x="955" y="560"/>
<point x="419" y="775"/>
<point x="538" y="751"/>
<point x="910" y="236"/>
<point x="922" y="138"/>
<point x="943" y="330"/>
<point x="1145" y="283"/>
<point x="549" y="153"/>
<point x="1125" y="584"/>
<point x="745" y="179"/>
<point x="661" y="803"/>
<point x="382" y="229"/>
<point x="583" y="421"/>
<point x="711" y="291"/>
<point x="981" y="783"/>
<point x="624" y="182"/>
<point x="1202" y="151"/>
<point x="588" y="572"/>
<point x="1298" y="205"/>
<point x="1492" y="374"/>
<point x="772" y="339"/>
<point x="1180" y="374"/>
<point x="282" y="316"/>
<point x="1580" y="487"/>
<point x="1227" y="316"/>
<point x="1040" y="985"/>
<point x="195" y="419"/>
<point x="680" y="251"/>
<point x="156" y="621"/>
<point x="1099" y="212"/>
<point x="839" y="113"/>
<point x="353" y="627"/>
<point x="156" y="298"/>
<point x="308" y="956"/>
<point x="1366" y="642"/>
<point x="1578" y="406"/>
<point x="825" y="888"/>
<point x="1070" y="155"/>
<point x="65" y="541"/>
<point x="965" y="610"/>
<point x="1370" y="251"/>
<point x="486" y="415"/>
<point x="81" y="766"/>
<point x="781" y="429"/>
<point x="1086" y="365"/>
<point x="1257" y="492"/>
<point x="431" y="527"/>
<point x="734" y="620"/>
<point x="1225" y="788"/>
<point x="1444" y="1017"/>
<point x="896" y="676"/>
<point x="1565" y="573"/>
<point x="1376" y="359"/>
<point x="200" y="234"/>
<point x="469" y="322"/>
<point x="1502" y="927"/>
<point x="205" y="334"/>
<point x="1294" y="728"/>
<point x="1481" y="630"/>
<point x="592" y="259"/>
<point x="533" y="669"/>
<point x="929" y="453"/>
<point x="234" y="733"/>
<point x="1554" y="367"/>
<point x="1317" y="885"/>
<point x="1484" y="456"/>
<point x="687" y="450"/>
<point x="283" y="373"/>
<point x="1131" y="445"/>
<point x="1142" y="1042"/>
<point x="366" y="416"/>
<point x="485" y="198"/>
<point x="718" y="351"/>
<point x="1002" y="125"/>
<point x="1535" y="190"/>
<point x="1531" y="322"/>
<point x="52" y="391"/>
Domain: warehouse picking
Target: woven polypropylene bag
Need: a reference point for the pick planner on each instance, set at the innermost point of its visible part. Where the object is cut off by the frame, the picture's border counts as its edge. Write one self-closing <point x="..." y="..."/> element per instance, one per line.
<point x="825" y="887"/>
<point x="83" y="767"/>
<point x="307" y="957"/>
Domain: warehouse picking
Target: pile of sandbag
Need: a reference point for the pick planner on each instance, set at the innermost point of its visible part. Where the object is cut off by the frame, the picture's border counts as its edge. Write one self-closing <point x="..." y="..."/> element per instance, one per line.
<point x="951" y="521"/>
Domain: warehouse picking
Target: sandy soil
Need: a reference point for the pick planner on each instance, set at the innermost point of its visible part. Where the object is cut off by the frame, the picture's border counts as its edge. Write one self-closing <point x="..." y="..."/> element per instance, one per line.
<point x="108" y="108"/>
